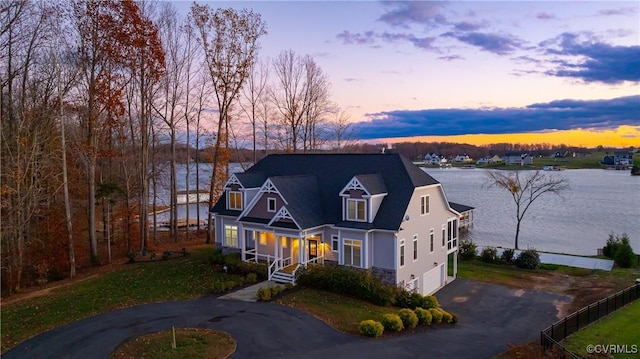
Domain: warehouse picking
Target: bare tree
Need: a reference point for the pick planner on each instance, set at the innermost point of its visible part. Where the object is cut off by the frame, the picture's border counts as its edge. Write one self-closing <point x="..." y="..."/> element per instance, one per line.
<point x="229" y="39"/>
<point x="28" y="150"/>
<point x="254" y="93"/>
<point x="341" y="131"/>
<point x="525" y="189"/>
<point x="173" y="94"/>
<point x="301" y="95"/>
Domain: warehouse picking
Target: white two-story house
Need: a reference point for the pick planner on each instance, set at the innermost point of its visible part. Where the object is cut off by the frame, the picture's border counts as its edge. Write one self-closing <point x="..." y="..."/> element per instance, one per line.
<point x="378" y="212"/>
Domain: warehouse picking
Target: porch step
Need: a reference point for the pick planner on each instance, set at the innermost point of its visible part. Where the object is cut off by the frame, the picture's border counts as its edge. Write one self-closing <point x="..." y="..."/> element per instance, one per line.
<point x="283" y="277"/>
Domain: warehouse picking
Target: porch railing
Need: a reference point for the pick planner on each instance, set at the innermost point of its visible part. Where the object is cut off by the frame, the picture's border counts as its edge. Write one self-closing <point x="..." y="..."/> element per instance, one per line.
<point x="258" y="256"/>
<point x="316" y="260"/>
<point x="278" y="264"/>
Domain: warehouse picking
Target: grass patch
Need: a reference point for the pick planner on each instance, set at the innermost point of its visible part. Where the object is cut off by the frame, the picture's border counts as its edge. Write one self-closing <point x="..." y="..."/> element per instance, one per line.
<point x="190" y="343"/>
<point x="620" y="328"/>
<point x="140" y="283"/>
<point x="341" y="312"/>
<point x="503" y="274"/>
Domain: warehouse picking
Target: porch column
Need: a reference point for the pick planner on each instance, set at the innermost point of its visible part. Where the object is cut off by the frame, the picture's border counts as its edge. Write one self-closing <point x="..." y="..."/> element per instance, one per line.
<point x="301" y="250"/>
<point x="276" y="244"/>
<point x="365" y="251"/>
<point x="243" y="242"/>
<point x="256" y="244"/>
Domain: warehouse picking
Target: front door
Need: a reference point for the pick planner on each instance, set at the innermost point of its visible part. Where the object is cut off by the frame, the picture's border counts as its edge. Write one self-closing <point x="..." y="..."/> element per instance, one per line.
<point x="312" y="248"/>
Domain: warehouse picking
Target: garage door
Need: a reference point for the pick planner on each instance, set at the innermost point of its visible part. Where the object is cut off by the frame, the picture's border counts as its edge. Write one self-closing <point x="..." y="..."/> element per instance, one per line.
<point x="432" y="280"/>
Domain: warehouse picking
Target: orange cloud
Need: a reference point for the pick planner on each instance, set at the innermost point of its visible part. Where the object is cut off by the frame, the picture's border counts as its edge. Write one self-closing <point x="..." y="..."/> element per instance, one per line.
<point x="623" y="136"/>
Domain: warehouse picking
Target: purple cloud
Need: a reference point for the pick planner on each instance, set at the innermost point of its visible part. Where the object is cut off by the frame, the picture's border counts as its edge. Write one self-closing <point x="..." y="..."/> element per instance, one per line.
<point x="596" y="61"/>
<point x="621" y="11"/>
<point x="404" y="13"/>
<point x="556" y="115"/>
<point x="495" y="43"/>
<point x="451" y="58"/>
<point x="348" y="37"/>
<point x="545" y="16"/>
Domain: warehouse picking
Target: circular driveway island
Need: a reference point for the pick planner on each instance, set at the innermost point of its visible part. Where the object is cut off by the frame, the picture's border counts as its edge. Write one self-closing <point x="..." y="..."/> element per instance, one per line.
<point x="491" y="317"/>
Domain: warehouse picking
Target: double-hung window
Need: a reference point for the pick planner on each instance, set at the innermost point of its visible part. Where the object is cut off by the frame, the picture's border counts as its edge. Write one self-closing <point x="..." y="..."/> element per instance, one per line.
<point x="424" y="205"/>
<point x="235" y="200"/>
<point x="334" y="243"/>
<point x="356" y="210"/>
<point x="231" y="236"/>
<point x="431" y="239"/>
<point x="352" y="250"/>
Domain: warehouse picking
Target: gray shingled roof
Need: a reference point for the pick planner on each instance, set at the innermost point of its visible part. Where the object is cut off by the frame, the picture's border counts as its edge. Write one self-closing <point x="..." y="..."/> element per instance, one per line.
<point x="460" y="207"/>
<point x="373" y="183"/>
<point x="251" y="179"/>
<point x="332" y="172"/>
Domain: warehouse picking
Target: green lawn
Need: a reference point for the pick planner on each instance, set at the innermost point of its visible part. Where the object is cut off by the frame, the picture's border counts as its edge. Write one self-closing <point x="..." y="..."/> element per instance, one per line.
<point x="342" y="313"/>
<point x="139" y="283"/>
<point x="621" y="329"/>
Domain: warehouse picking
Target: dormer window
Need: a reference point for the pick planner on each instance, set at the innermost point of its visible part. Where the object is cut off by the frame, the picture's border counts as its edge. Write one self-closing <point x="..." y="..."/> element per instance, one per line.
<point x="235" y="200"/>
<point x="356" y="210"/>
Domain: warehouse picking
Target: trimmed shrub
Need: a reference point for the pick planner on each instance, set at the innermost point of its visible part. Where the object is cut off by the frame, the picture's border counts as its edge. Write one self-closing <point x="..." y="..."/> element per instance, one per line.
<point x="424" y="316"/>
<point x="528" y="259"/>
<point x="371" y="328"/>
<point x="288" y="286"/>
<point x="264" y="294"/>
<point x="275" y="290"/>
<point x="349" y="281"/>
<point x="489" y="255"/>
<point x="408" y="317"/>
<point x="454" y="318"/>
<point x="429" y="301"/>
<point x="436" y="314"/>
<point x="467" y="250"/>
<point x="252" y="278"/>
<point x="507" y="255"/>
<point x="392" y="322"/>
<point x="446" y="316"/>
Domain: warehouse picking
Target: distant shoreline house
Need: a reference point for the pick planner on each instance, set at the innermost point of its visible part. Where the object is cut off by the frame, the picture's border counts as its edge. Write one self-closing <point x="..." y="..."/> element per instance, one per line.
<point x="518" y="159"/>
<point x="618" y="159"/>
<point x="489" y="160"/>
<point x="376" y="212"/>
<point x="432" y="159"/>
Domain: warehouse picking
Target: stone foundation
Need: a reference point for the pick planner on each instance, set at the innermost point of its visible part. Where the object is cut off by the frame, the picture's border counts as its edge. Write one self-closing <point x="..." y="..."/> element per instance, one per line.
<point x="230" y="250"/>
<point x="385" y="275"/>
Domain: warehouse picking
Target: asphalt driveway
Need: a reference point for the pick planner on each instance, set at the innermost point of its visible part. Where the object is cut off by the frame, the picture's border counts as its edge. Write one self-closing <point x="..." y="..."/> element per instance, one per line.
<point x="491" y="317"/>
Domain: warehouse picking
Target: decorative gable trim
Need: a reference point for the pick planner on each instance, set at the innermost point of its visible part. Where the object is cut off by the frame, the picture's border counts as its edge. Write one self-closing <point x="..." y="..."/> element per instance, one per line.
<point x="283" y="213"/>
<point x="233" y="180"/>
<point x="267" y="187"/>
<point x="353" y="185"/>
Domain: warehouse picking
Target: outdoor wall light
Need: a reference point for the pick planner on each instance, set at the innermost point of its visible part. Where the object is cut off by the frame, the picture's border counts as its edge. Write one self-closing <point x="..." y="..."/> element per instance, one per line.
<point x="435" y="264"/>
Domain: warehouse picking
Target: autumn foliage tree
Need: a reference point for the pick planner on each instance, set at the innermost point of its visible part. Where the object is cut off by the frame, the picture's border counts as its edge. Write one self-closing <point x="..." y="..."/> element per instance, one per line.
<point x="116" y="42"/>
<point x="229" y="39"/>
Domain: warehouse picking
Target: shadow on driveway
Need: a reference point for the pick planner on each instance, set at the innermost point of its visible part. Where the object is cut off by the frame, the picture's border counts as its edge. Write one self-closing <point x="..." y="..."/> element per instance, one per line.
<point x="491" y="316"/>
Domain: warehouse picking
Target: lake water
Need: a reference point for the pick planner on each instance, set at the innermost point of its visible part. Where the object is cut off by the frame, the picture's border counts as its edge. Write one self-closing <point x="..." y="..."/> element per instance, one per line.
<point x="579" y="221"/>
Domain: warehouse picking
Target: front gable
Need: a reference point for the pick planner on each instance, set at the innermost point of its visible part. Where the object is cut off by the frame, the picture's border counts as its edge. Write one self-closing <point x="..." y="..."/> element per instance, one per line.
<point x="266" y="202"/>
<point x="362" y="197"/>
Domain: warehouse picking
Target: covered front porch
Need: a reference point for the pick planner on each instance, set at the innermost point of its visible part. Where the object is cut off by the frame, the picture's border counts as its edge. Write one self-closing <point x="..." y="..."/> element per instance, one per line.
<point x="285" y="252"/>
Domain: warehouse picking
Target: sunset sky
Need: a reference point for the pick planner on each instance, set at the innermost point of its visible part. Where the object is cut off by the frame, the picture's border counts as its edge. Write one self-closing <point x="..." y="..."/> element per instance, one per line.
<point x="474" y="71"/>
